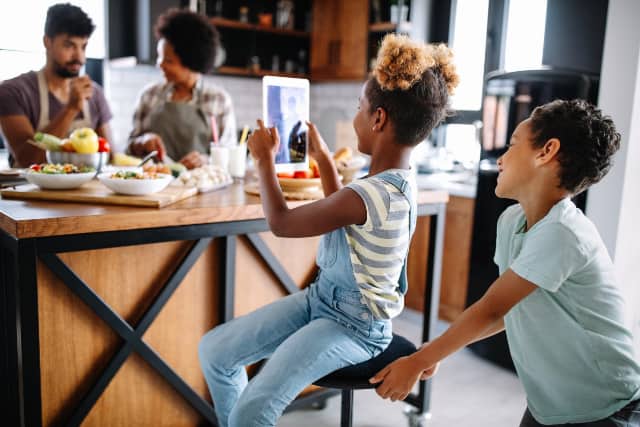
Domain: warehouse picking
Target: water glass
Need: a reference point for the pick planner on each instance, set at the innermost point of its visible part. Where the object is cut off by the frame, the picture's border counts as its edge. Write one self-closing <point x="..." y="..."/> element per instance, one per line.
<point x="238" y="160"/>
<point x="219" y="156"/>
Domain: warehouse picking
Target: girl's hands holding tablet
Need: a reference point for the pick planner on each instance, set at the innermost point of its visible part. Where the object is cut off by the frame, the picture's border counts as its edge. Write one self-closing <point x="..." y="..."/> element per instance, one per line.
<point x="263" y="143"/>
<point x="317" y="148"/>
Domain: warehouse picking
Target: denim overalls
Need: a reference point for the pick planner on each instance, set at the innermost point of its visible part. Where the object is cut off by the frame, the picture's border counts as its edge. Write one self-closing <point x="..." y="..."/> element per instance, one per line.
<point x="306" y="336"/>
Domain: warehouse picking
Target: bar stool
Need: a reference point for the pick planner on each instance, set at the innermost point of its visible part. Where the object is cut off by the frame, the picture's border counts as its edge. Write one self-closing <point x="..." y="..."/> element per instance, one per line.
<point x="356" y="377"/>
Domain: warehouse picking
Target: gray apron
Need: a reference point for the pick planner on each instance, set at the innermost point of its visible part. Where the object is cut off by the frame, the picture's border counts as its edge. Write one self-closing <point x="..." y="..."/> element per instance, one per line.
<point x="44" y="120"/>
<point x="183" y="127"/>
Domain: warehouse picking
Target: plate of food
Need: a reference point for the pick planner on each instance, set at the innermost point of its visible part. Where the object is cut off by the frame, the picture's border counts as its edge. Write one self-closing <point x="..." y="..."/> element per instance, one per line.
<point x="66" y="176"/>
<point x="206" y="178"/>
<point x="135" y="183"/>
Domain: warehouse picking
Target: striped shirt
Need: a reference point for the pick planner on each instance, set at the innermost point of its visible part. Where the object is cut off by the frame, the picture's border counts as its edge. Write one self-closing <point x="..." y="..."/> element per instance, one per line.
<point x="212" y="99"/>
<point x="378" y="248"/>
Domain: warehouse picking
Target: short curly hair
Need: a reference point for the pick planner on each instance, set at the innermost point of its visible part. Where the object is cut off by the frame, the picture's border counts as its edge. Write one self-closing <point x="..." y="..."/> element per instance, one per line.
<point x="412" y="82"/>
<point x="65" y="18"/>
<point x="194" y="39"/>
<point x="588" y="140"/>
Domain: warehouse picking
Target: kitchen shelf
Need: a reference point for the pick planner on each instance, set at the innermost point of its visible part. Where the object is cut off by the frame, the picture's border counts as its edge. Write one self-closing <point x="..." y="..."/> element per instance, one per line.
<point x="242" y="71"/>
<point x="382" y="27"/>
<point x="231" y="23"/>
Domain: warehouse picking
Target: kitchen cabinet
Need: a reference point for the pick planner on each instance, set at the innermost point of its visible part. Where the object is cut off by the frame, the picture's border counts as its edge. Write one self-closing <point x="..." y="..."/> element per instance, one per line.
<point x="455" y="260"/>
<point x="339" y="39"/>
<point x="258" y="42"/>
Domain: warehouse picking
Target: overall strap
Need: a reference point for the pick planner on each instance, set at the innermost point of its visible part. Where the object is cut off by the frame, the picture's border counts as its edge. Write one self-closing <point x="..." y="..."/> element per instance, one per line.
<point x="403" y="186"/>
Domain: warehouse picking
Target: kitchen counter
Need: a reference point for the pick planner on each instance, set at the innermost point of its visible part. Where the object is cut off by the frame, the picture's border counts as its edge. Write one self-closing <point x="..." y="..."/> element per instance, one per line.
<point x="102" y="307"/>
<point x="461" y="184"/>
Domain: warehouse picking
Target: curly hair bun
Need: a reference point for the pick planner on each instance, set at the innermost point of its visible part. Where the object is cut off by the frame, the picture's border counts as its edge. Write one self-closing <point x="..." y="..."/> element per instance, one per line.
<point x="443" y="57"/>
<point x="401" y="63"/>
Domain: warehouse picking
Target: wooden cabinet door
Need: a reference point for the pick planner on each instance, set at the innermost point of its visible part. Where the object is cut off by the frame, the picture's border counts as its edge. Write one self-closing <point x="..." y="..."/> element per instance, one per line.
<point x="339" y="39"/>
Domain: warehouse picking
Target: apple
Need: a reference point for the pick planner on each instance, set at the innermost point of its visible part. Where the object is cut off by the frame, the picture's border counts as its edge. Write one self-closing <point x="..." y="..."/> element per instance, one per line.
<point x="84" y="140"/>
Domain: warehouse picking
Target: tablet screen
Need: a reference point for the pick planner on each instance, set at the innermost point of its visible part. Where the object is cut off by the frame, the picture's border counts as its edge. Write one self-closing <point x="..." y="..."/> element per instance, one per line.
<point x="286" y="106"/>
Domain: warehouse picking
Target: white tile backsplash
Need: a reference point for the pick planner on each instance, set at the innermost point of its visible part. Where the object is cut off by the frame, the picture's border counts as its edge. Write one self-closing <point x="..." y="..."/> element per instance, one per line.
<point x="330" y="102"/>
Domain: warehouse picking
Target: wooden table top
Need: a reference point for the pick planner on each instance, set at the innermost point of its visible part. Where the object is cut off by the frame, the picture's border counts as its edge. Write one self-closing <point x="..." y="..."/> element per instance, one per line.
<point x="27" y="219"/>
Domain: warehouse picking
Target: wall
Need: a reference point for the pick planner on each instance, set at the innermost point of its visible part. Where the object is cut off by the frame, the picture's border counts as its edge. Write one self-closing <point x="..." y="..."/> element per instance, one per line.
<point x="329" y="101"/>
<point x="613" y="204"/>
<point x="574" y="34"/>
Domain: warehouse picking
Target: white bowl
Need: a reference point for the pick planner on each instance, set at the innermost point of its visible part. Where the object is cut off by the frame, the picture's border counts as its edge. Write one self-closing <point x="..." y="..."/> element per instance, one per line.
<point x="95" y="160"/>
<point x="59" y="181"/>
<point x="136" y="187"/>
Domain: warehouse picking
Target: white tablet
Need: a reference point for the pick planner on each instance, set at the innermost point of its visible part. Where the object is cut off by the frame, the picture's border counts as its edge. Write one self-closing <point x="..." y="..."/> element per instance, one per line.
<point x="285" y="105"/>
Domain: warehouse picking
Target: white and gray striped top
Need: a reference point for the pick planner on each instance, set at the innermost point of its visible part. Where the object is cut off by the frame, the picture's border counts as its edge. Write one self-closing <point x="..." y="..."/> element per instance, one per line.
<point x="379" y="246"/>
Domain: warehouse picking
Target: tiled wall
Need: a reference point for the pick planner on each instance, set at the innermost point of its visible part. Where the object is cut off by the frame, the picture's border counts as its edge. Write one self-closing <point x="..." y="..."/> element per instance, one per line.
<point x="329" y="101"/>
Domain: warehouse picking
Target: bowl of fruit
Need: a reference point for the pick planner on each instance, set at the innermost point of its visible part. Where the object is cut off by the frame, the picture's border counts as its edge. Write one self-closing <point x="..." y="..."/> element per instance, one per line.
<point x="303" y="180"/>
<point x="82" y="148"/>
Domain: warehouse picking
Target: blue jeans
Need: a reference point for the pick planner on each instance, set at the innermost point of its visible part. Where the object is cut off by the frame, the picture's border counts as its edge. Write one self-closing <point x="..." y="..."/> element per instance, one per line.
<point x="306" y="336"/>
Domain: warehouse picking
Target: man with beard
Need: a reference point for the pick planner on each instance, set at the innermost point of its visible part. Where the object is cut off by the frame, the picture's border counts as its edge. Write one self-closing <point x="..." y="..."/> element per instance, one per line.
<point x="55" y="99"/>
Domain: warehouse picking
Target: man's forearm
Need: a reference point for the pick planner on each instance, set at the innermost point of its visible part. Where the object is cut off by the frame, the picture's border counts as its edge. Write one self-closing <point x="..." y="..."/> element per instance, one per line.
<point x="61" y="124"/>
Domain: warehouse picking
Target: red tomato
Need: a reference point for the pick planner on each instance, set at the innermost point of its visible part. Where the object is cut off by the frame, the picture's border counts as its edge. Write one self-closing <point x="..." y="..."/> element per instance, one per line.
<point x="300" y="174"/>
<point x="285" y="174"/>
<point x="103" y="145"/>
<point x="35" y="168"/>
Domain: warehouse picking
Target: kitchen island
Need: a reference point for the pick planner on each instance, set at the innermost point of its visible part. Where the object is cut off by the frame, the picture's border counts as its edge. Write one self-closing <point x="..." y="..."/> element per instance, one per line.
<point x="102" y="307"/>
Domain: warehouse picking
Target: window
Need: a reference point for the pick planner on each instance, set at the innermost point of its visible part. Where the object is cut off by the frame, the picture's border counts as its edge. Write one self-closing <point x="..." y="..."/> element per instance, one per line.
<point x="468" y="36"/>
<point x="525" y="34"/>
<point x="22" y="28"/>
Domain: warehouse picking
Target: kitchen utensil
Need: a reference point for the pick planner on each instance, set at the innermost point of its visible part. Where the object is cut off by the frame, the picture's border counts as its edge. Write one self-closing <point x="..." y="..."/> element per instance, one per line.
<point x="148" y="157"/>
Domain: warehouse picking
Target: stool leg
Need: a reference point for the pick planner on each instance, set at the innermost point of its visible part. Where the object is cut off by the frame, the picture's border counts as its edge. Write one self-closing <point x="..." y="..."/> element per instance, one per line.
<point x="346" y="412"/>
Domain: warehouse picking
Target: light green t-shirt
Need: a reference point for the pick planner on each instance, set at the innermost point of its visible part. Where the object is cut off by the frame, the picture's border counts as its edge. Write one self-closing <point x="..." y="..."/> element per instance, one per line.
<point x="568" y="339"/>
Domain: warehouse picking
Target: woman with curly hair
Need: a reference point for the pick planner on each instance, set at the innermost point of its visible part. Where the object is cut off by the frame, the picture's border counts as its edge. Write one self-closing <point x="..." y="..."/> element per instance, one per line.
<point x="344" y="317"/>
<point x="179" y="117"/>
<point x="557" y="296"/>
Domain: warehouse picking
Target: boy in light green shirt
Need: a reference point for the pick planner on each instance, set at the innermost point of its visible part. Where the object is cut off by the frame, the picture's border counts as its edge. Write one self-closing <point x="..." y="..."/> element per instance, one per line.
<point x="556" y="296"/>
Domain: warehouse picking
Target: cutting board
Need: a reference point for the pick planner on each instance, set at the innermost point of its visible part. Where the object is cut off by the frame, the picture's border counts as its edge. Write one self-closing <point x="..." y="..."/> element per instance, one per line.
<point x="95" y="192"/>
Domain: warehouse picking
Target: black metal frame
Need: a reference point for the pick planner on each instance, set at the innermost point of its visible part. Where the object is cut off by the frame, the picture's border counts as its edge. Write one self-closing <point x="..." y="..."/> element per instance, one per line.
<point x="20" y="394"/>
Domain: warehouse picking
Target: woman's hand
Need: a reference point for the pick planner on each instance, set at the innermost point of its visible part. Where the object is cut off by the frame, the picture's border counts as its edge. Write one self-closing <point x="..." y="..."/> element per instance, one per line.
<point x="194" y="160"/>
<point x="263" y="143"/>
<point x="399" y="377"/>
<point x="146" y="143"/>
<point x="317" y="147"/>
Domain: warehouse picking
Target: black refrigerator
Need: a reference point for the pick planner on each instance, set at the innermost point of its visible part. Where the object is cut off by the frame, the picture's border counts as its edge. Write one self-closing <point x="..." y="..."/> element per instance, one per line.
<point x="509" y="98"/>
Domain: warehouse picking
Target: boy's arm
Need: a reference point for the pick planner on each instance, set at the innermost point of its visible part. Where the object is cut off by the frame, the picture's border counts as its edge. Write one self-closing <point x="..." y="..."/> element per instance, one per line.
<point x="482" y="319"/>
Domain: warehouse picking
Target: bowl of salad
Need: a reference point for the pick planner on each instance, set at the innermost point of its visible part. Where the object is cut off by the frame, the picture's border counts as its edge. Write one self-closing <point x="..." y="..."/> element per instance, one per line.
<point x="55" y="176"/>
<point x="94" y="160"/>
<point x="135" y="183"/>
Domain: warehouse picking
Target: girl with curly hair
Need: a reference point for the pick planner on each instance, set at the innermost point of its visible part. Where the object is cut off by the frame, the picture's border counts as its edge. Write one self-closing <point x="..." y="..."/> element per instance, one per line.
<point x="556" y="296"/>
<point x="344" y="317"/>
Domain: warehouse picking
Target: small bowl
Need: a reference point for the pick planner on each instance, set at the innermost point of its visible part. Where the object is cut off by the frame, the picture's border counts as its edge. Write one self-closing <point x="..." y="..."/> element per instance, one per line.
<point x="95" y="160"/>
<point x="59" y="181"/>
<point x="135" y="187"/>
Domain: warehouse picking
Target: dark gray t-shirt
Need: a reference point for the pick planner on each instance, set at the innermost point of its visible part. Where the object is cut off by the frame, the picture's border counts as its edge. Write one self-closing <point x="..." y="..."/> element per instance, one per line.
<point x="20" y="96"/>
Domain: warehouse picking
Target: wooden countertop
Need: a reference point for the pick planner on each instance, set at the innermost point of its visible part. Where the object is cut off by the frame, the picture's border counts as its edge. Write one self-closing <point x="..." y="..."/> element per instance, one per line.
<point x="27" y="219"/>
